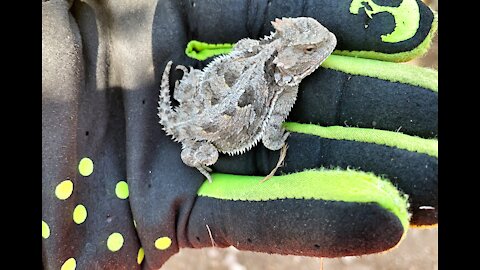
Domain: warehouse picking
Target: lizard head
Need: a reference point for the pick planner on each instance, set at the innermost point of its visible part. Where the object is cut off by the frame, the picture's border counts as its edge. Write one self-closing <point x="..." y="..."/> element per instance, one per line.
<point x="302" y="44"/>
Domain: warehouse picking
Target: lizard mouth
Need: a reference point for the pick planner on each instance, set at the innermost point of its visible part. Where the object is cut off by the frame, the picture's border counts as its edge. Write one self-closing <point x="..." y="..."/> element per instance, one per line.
<point x="284" y="77"/>
<point x="309" y="71"/>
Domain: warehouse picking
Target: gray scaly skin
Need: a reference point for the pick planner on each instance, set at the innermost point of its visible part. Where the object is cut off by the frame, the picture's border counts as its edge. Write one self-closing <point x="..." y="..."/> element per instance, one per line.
<point x="245" y="96"/>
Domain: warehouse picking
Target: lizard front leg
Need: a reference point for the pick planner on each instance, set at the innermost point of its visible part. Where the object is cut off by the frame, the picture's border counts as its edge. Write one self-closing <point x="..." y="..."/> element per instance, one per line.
<point x="274" y="136"/>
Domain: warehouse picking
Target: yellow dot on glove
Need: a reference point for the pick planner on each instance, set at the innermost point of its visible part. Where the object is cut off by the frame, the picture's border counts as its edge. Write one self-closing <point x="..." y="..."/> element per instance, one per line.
<point x="115" y="242"/>
<point x="163" y="243"/>
<point x="121" y="189"/>
<point x="64" y="190"/>
<point x="79" y="214"/>
<point x="140" y="256"/>
<point x="45" y="230"/>
<point x="69" y="264"/>
<point x="85" y="166"/>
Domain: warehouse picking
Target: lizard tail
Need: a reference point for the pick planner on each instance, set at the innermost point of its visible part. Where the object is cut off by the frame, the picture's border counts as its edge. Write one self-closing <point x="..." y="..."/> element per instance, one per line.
<point x="165" y="111"/>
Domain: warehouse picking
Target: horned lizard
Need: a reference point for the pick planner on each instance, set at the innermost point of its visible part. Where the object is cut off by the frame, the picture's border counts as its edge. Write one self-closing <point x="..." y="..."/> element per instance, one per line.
<point x="243" y="97"/>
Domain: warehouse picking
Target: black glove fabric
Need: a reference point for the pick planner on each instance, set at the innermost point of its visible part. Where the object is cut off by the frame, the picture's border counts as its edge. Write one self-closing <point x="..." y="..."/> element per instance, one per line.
<point x="361" y="166"/>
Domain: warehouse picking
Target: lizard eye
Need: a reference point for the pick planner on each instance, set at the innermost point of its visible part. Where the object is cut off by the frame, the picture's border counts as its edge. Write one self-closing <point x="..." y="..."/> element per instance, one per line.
<point x="309" y="49"/>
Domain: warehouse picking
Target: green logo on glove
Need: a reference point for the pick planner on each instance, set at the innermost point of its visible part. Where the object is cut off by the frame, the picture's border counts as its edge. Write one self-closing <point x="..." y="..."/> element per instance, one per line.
<point x="406" y="15"/>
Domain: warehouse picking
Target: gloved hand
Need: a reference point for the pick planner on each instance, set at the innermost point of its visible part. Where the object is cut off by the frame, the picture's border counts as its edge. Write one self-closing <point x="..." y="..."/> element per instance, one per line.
<point x="361" y="166"/>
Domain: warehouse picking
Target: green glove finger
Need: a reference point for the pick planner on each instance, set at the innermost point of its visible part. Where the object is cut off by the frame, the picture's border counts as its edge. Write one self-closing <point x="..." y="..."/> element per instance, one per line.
<point x="409" y="162"/>
<point x="371" y="94"/>
<point x="323" y="213"/>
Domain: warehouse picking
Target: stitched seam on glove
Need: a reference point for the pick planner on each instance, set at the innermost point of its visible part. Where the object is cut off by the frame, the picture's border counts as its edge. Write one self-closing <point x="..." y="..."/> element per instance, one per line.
<point x="393" y="72"/>
<point x="376" y="136"/>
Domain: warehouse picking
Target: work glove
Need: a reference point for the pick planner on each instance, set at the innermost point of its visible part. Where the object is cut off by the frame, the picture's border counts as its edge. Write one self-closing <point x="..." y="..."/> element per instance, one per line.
<point x="361" y="163"/>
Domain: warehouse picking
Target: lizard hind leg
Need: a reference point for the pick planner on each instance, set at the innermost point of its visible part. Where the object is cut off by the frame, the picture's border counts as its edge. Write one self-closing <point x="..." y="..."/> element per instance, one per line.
<point x="200" y="155"/>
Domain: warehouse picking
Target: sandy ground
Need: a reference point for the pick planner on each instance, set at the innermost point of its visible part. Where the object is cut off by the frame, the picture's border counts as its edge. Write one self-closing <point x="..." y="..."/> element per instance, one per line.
<point x="418" y="251"/>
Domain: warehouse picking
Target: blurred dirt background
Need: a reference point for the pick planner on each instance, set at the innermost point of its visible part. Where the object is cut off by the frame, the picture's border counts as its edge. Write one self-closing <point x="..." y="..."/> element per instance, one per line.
<point x="418" y="251"/>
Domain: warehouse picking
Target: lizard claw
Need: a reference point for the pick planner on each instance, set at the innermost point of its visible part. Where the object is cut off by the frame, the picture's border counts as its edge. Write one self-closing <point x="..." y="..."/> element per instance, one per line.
<point x="204" y="171"/>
